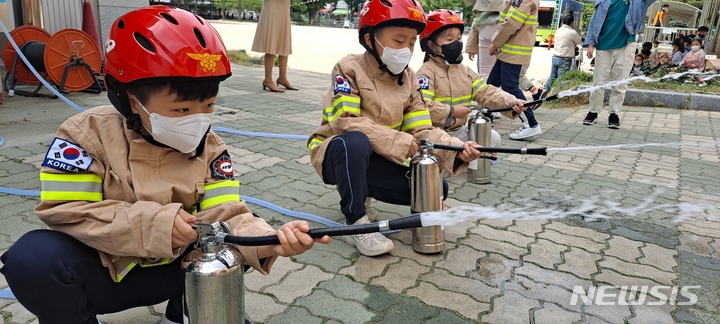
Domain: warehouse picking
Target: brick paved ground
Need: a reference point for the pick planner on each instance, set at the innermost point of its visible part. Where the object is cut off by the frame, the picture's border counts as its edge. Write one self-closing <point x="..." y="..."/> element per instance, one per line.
<point x="494" y="270"/>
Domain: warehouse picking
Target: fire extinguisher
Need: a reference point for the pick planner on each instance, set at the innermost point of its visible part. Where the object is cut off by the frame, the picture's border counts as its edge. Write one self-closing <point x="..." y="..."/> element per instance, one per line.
<point x="479" y="131"/>
<point x="426" y="194"/>
<point x="214" y="291"/>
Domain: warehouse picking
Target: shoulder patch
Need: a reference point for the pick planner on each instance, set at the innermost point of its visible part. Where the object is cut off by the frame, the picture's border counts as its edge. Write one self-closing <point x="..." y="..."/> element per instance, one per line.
<point x="516" y="3"/>
<point x="66" y="156"/>
<point x="221" y="168"/>
<point x="341" y="84"/>
<point x="424" y="83"/>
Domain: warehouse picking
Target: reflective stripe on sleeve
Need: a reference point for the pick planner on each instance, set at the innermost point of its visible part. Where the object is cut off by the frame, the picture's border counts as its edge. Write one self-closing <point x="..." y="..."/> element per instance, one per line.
<point x="415" y="119"/>
<point x="478" y="85"/>
<point x="71" y="186"/>
<point x="313" y="144"/>
<point x="340" y="105"/>
<point x="220" y="192"/>
<point x="428" y="95"/>
<point x="516" y="49"/>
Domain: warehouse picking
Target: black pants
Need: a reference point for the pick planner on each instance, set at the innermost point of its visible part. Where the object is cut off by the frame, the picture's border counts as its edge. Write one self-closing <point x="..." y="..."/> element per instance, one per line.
<point x="507" y="76"/>
<point x="61" y="280"/>
<point x="359" y="173"/>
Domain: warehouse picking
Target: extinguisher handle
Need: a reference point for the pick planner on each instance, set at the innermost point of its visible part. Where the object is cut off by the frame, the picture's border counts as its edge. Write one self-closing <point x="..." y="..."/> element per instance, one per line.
<point x="490" y="149"/>
<point x="532" y="104"/>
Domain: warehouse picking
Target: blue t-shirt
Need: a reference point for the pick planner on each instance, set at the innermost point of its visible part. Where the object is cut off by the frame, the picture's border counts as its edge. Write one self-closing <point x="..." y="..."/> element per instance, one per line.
<point x="613" y="34"/>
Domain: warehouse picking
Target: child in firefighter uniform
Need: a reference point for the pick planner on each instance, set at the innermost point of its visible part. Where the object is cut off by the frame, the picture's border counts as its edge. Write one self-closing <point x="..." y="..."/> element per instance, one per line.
<point x="513" y="45"/>
<point x="448" y="87"/>
<point x="121" y="186"/>
<point x="373" y="115"/>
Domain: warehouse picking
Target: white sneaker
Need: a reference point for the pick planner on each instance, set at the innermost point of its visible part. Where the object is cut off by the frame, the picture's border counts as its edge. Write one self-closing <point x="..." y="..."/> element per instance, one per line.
<point x="370" y="244"/>
<point x="526" y="133"/>
<point x="370" y="212"/>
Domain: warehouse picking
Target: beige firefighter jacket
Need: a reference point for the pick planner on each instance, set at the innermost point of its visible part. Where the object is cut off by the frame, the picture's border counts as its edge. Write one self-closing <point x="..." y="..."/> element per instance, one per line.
<point x="516" y="33"/>
<point x="369" y="100"/>
<point x="125" y="203"/>
<point x="447" y="85"/>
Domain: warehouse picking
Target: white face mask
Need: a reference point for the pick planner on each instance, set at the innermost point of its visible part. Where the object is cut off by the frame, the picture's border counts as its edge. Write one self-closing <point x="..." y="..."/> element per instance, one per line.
<point x="695" y="48"/>
<point x="396" y="60"/>
<point x="181" y="133"/>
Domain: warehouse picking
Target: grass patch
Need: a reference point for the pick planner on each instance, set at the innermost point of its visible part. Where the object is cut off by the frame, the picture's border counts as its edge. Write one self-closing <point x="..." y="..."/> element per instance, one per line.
<point x="242" y="58"/>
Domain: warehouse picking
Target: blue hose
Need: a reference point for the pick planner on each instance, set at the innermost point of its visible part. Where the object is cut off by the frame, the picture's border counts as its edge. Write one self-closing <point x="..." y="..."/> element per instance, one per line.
<point x="258" y="134"/>
<point x="2" y="141"/>
<point x="7" y="294"/>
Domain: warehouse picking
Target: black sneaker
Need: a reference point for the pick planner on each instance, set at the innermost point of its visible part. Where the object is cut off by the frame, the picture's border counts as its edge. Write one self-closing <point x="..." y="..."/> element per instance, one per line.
<point x="614" y="121"/>
<point x="590" y="119"/>
<point x="537" y="95"/>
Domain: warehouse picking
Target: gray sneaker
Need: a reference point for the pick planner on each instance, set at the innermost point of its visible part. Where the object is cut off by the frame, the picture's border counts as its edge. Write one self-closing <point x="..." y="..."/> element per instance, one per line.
<point x="370" y="244"/>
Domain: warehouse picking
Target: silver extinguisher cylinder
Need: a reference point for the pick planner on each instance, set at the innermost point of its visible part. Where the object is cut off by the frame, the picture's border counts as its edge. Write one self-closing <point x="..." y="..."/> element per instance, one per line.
<point x="479" y="131"/>
<point x="214" y="285"/>
<point x="426" y="195"/>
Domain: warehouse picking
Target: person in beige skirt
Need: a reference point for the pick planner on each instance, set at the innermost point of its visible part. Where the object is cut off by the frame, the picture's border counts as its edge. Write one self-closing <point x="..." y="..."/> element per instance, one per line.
<point x="272" y="37"/>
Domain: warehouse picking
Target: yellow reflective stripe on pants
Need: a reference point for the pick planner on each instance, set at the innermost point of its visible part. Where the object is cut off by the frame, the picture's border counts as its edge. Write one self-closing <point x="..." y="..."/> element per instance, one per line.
<point x="314" y="143"/>
<point x="145" y="264"/>
<point x="125" y="271"/>
<point x="516" y="49"/>
<point x="342" y="104"/>
<point x="428" y="95"/>
<point x="71" y="186"/>
<point x="415" y="119"/>
<point x="478" y="85"/>
<point x="220" y="192"/>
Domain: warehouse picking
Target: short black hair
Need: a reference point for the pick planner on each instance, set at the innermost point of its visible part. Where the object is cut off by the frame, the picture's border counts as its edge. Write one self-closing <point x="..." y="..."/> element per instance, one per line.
<point x="647" y="45"/>
<point x="645" y="51"/>
<point x="666" y="5"/>
<point x="191" y="90"/>
<point x="703" y="29"/>
<point x="568" y="20"/>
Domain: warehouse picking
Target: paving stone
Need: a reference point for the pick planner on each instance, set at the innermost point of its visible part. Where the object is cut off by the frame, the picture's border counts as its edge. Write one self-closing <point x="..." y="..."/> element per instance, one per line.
<point x="502" y="235"/>
<point x="545" y="253"/>
<point x="255" y="280"/>
<point x="510" y="308"/>
<point x="617" y="279"/>
<point x="476" y="289"/>
<point x="540" y="275"/>
<point x="406" y="251"/>
<point x="461" y="260"/>
<point x="460" y="303"/>
<point x="19" y="314"/>
<point x="612" y="314"/>
<point x="580" y="263"/>
<point x="400" y="276"/>
<point x="575" y="241"/>
<point x="578" y="231"/>
<point x="375" y="298"/>
<point x="623" y="248"/>
<point x="446" y="316"/>
<point x="506" y="249"/>
<point x="366" y="268"/>
<point x="528" y="227"/>
<point x="493" y="269"/>
<point x="259" y="307"/>
<point x="295" y="315"/>
<point x="548" y="293"/>
<point x="408" y="310"/>
<point x="658" y="257"/>
<point x="645" y="314"/>
<point x="342" y="310"/>
<point x="551" y="314"/>
<point x="638" y="270"/>
<point x="298" y="283"/>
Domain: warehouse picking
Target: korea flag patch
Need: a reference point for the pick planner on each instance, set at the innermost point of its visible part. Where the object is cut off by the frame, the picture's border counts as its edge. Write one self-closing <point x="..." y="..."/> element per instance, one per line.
<point x="424" y="83"/>
<point x="66" y="156"/>
<point x="341" y="84"/>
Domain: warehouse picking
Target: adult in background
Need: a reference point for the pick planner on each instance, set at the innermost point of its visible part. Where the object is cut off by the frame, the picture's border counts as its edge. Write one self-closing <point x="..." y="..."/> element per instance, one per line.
<point x="487" y="18"/>
<point x="566" y="41"/>
<point x="659" y="20"/>
<point x="272" y="37"/>
<point x="702" y="33"/>
<point x="612" y="30"/>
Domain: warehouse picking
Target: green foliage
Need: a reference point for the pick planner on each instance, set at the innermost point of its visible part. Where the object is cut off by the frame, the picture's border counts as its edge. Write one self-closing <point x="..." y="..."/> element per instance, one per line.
<point x="578" y="76"/>
<point x="432" y="5"/>
<point x="254" y="5"/>
<point x="588" y="10"/>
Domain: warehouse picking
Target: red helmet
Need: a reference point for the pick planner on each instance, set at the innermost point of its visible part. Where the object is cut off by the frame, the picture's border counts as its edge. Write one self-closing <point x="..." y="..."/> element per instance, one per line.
<point x="164" y="41"/>
<point x="377" y="13"/>
<point x="439" y="20"/>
